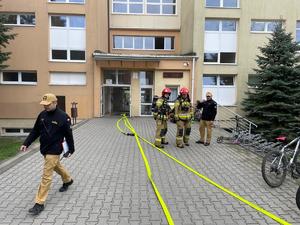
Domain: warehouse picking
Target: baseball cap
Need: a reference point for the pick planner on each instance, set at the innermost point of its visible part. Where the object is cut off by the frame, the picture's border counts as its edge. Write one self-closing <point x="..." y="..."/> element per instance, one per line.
<point x="48" y="98"/>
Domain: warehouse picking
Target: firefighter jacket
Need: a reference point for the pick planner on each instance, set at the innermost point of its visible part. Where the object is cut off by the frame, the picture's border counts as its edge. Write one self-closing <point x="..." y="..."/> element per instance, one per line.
<point x="52" y="127"/>
<point x="183" y="109"/>
<point x="209" y="111"/>
<point x="162" y="109"/>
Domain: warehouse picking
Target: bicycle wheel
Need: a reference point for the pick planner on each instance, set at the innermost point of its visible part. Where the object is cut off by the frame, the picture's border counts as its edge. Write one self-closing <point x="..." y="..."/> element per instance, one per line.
<point x="273" y="173"/>
<point x="298" y="198"/>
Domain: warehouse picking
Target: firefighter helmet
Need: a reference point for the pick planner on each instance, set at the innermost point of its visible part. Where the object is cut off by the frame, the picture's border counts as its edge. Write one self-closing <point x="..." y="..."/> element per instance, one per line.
<point x="166" y="91"/>
<point x="184" y="90"/>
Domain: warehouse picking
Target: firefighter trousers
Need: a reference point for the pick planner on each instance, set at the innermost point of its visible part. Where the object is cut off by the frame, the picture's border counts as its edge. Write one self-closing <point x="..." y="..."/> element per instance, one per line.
<point x="183" y="132"/>
<point x="161" y="131"/>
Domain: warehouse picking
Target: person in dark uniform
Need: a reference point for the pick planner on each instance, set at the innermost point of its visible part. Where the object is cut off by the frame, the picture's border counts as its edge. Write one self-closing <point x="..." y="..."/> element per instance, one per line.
<point x="209" y="113"/>
<point x="52" y="126"/>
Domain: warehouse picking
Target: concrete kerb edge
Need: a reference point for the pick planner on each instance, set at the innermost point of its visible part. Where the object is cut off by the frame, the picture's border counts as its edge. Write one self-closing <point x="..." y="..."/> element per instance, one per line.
<point x="9" y="163"/>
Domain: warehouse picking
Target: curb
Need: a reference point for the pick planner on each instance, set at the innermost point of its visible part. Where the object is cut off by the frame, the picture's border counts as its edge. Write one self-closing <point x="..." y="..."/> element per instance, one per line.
<point x="9" y="163"/>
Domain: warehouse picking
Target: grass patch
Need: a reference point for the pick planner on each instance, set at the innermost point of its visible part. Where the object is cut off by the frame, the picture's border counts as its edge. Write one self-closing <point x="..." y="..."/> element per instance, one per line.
<point x="9" y="147"/>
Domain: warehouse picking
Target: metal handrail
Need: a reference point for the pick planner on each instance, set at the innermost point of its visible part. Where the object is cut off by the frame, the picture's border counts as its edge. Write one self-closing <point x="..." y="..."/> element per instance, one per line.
<point x="245" y="123"/>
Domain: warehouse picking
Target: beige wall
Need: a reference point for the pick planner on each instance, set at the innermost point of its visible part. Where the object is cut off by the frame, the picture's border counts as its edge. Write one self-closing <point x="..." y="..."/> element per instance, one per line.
<point x="248" y="43"/>
<point x="30" y="51"/>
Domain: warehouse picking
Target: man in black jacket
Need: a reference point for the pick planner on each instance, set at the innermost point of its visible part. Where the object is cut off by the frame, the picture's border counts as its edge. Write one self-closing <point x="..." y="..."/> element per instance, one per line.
<point x="209" y="113"/>
<point x="52" y="126"/>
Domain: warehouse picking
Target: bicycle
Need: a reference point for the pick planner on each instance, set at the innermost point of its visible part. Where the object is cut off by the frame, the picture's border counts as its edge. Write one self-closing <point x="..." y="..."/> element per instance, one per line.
<point x="276" y="164"/>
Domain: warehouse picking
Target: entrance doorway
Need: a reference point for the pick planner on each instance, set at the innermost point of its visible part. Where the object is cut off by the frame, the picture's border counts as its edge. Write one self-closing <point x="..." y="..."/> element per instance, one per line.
<point x="116" y="100"/>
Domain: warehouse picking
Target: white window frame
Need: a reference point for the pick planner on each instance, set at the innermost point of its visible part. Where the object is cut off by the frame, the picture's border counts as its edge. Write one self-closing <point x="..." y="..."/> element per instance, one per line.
<point x="221" y="25"/>
<point x="148" y="87"/>
<point x="116" y="74"/>
<point x="144" y="47"/>
<point x="218" y="86"/>
<point x="19" y="20"/>
<point x="266" y="23"/>
<point x="219" y="58"/>
<point x="9" y="134"/>
<point x="67" y="28"/>
<point x="145" y="4"/>
<point x="222" y="5"/>
<point x="221" y="31"/>
<point x="67" y="2"/>
<point x="251" y="86"/>
<point x="67" y="73"/>
<point x="19" y="82"/>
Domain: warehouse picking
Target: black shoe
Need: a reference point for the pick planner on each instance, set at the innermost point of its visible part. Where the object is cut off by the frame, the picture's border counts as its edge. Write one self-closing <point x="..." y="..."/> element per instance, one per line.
<point x="159" y="146"/>
<point x="65" y="186"/>
<point x="165" y="143"/>
<point x="206" y="144"/>
<point x="180" y="146"/>
<point x="199" y="142"/>
<point x="36" y="209"/>
<point x="187" y="144"/>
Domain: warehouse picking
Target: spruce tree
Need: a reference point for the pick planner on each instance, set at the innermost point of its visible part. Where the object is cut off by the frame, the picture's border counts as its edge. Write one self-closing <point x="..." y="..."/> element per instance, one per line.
<point x="275" y="104"/>
<point x="5" y="37"/>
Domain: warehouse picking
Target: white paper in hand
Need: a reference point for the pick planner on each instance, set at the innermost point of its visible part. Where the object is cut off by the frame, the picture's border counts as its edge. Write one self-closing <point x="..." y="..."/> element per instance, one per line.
<point x="65" y="146"/>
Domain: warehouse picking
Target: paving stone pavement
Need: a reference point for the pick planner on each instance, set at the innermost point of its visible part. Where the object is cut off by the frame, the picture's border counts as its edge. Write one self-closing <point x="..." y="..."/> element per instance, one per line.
<point x="111" y="184"/>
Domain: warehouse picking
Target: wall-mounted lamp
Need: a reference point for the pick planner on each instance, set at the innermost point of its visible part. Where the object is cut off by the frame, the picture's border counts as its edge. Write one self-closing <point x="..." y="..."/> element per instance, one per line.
<point x="186" y="64"/>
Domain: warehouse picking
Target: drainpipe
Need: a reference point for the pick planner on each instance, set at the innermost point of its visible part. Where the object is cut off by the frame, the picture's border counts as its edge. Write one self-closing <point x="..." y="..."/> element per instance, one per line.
<point x="108" y="24"/>
<point x="193" y="80"/>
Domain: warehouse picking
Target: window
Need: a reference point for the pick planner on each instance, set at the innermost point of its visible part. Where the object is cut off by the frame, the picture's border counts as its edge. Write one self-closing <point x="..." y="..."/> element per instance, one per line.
<point x="146" y="83"/>
<point x="211" y="57"/>
<point x="20" y="19"/>
<point x="222" y="3"/>
<point x="222" y="87"/>
<point x="124" y="77"/>
<point x="298" y="31"/>
<point x="68" y="1"/>
<point x="227" y="57"/>
<point x="263" y="26"/>
<point x="156" y="7"/>
<point x="220" y="42"/>
<point x="12" y="77"/>
<point x="115" y="77"/>
<point x="57" y="78"/>
<point x="220" y="25"/>
<point x="174" y="93"/>
<point x="221" y="57"/>
<point x="253" y="81"/>
<point x="16" y="131"/>
<point x="67" y="38"/>
<point x="146" y="78"/>
<point x="143" y="43"/>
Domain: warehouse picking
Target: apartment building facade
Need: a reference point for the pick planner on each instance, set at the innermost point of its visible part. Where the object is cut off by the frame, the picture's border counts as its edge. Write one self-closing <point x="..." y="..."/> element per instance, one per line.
<point x="113" y="56"/>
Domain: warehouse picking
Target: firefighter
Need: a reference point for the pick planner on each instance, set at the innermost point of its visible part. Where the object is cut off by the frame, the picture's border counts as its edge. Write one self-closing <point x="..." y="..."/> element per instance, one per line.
<point x="183" y="117"/>
<point x="160" y="114"/>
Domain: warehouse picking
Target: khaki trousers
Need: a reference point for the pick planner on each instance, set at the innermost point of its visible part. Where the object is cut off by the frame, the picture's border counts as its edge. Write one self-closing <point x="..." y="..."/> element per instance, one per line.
<point x="51" y="163"/>
<point x="161" y="128"/>
<point x="208" y="125"/>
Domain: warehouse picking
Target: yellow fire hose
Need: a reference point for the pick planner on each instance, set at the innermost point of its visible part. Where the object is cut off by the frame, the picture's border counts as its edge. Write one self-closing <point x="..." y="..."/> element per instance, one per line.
<point x="148" y="169"/>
